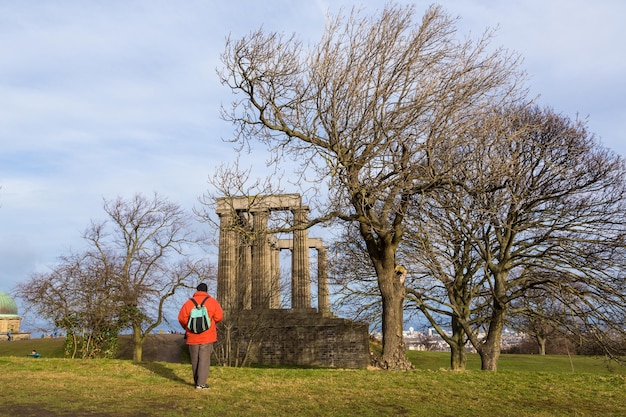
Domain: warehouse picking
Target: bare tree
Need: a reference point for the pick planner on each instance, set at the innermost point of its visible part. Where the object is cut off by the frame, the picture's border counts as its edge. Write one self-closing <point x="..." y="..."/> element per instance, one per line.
<point x="353" y="278"/>
<point x="446" y="284"/>
<point x="134" y="263"/>
<point x="147" y="241"/>
<point x="543" y="208"/>
<point x="541" y="316"/>
<point x="440" y="264"/>
<point x="374" y="111"/>
<point x="78" y="296"/>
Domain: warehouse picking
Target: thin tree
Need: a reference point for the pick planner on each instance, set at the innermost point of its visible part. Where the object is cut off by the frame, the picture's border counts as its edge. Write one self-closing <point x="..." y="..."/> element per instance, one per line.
<point x="542" y="316"/>
<point x="148" y="242"/>
<point x="374" y="111"/>
<point x="446" y="284"/>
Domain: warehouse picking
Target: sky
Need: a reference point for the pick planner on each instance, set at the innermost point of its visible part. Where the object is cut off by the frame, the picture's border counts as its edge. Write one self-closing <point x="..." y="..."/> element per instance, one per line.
<point x="100" y="99"/>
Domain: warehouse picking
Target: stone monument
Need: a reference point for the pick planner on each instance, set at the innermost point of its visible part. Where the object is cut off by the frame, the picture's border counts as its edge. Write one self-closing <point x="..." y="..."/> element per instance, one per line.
<point x="248" y="288"/>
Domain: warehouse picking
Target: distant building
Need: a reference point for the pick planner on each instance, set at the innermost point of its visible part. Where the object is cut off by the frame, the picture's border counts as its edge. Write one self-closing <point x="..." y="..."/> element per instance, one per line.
<point x="432" y="341"/>
<point x="9" y="319"/>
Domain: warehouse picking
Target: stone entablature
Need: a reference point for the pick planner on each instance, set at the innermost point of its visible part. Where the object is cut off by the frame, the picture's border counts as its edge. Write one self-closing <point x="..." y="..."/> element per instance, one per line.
<point x="248" y="266"/>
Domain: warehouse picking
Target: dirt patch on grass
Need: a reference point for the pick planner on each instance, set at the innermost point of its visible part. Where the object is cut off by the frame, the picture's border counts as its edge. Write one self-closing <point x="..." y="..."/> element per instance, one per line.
<point x="34" y="410"/>
<point x="158" y="347"/>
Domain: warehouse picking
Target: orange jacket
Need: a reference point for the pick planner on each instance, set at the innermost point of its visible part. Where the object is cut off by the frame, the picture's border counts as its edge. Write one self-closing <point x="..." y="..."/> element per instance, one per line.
<point x="215" y="313"/>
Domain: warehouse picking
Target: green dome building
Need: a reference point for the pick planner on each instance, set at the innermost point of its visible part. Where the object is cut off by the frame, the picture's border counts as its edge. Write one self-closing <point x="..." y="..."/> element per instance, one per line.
<point x="7" y="305"/>
<point x="9" y="319"/>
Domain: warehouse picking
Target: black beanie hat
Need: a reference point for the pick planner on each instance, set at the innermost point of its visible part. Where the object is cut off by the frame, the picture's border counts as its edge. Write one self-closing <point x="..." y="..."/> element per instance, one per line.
<point x="202" y="287"/>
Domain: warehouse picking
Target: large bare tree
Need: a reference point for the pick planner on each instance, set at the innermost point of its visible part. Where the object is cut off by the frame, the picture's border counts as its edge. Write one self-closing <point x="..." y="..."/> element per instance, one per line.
<point x="541" y="205"/>
<point x="374" y="111"/>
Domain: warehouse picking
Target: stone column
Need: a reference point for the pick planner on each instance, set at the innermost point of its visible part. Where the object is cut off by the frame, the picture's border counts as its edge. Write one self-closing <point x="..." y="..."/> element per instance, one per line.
<point x="300" y="267"/>
<point x="323" y="296"/>
<point x="275" y="278"/>
<point x="244" y="269"/>
<point x="226" y="268"/>
<point x="261" y="261"/>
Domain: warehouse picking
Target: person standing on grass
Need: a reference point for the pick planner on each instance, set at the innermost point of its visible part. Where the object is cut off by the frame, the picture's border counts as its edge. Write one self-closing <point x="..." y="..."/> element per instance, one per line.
<point x="201" y="344"/>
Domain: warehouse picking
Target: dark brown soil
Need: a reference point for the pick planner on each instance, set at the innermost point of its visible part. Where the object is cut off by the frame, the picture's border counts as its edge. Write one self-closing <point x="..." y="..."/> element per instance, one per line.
<point x="157" y="348"/>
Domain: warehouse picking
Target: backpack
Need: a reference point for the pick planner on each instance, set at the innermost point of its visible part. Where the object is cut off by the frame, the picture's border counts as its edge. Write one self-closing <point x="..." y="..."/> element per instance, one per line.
<point x="199" y="320"/>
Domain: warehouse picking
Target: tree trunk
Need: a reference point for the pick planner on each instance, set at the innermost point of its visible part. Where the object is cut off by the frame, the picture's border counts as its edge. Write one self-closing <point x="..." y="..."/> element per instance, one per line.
<point x="541" y="342"/>
<point x="458" y="359"/>
<point x="394" y="349"/>
<point x="489" y="359"/>
<point x="490" y="349"/>
<point x="137" y="344"/>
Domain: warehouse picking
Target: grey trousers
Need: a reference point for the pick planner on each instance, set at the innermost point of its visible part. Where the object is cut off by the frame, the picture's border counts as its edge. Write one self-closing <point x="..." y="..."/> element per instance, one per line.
<point x="200" y="362"/>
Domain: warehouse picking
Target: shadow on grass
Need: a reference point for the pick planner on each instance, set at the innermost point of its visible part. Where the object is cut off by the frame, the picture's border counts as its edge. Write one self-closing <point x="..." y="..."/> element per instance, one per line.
<point x="161" y="370"/>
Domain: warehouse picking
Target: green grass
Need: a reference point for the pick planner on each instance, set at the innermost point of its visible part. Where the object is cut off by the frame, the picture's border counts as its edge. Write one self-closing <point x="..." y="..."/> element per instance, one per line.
<point x="525" y="385"/>
<point x="50" y="348"/>
<point x="525" y="363"/>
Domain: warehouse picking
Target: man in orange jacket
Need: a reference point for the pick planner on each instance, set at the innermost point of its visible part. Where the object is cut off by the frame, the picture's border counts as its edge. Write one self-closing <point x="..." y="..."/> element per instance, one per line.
<point x="201" y="344"/>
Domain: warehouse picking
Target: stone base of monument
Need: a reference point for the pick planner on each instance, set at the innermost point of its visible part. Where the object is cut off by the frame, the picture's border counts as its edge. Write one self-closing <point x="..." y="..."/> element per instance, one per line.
<point x="298" y="337"/>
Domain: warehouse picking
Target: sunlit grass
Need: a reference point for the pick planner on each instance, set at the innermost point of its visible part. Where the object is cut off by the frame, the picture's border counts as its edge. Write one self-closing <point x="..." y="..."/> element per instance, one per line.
<point x="525" y="385"/>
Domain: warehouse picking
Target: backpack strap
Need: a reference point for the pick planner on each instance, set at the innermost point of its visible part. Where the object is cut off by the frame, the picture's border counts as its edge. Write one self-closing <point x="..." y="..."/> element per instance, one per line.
<point x="202" y="303"/>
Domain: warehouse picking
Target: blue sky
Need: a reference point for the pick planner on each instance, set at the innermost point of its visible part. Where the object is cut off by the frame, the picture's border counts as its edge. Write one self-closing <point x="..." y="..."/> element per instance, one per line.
<point x="109" y="98"/>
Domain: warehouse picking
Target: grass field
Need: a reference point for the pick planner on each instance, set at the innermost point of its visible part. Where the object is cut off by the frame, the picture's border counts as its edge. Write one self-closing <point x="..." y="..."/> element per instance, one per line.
<point x="525" y="385"/>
